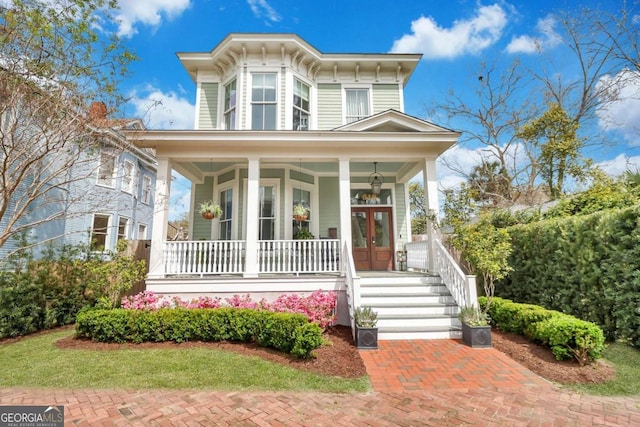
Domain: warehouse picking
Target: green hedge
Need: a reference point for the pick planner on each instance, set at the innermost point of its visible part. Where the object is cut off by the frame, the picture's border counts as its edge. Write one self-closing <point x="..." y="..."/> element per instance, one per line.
<point x="567" y="336"/>
<point x="587" y="266"/>
<point x="287" y="332"/>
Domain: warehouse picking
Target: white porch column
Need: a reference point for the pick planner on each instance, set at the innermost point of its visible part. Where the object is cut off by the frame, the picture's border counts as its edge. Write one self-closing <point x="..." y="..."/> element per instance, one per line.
<point x="430" y="202"/>
<point x="160" y="218"/>
<point x="251" y="218"/>
<point x="345" y="203"/>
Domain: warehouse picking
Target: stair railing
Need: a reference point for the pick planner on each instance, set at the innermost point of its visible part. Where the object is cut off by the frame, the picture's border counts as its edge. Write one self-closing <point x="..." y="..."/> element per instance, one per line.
<point x="352" y="286"/>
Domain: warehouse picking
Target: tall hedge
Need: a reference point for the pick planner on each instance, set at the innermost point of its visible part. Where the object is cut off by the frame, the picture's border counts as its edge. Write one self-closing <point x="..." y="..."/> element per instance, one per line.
<point x="587" y="266"/>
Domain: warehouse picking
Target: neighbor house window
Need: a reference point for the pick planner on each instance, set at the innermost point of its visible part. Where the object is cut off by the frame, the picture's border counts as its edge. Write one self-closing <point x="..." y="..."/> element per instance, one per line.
<point x="263" y="101"/>
<point x="267" y="215"/>
<point x="357" y="104"/>
<point x="230" y="106"/>
<point x="300" y="105"/>
<point x="123" y="228"/>
<point x="226" y="203"/>
<point x="128" y="173"/>
<point x="146" y="189"/>
<point x="107" y="168"/>
<point x="100" y="232"/>
<point x="142" y="232"/>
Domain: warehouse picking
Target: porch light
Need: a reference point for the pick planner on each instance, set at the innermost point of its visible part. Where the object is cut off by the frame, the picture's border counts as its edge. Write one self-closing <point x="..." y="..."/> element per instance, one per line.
<point x="376" y="179"/>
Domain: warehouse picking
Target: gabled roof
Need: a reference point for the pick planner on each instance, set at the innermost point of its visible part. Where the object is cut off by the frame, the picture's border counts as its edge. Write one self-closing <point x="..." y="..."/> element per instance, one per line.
<point x="393" y="121"/>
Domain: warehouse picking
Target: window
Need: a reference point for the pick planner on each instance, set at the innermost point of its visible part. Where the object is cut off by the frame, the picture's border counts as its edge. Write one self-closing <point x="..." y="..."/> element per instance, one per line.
<point x="302" y="197"/>
<point x="142" y="231"/>
<point x="123" y="228"/>
<point x="128" y="173"/>
<point x="107" y="168"/>
<point x="230" y="106"/>
<point x="267" y="216"/>
<point x="99" y="232"/>
<point x="226" y="203"/>
<point x="146" y="189"/>
<point x="263" y="101"/>
<point x="300" y="105"/>
<point x="357" y="103"/>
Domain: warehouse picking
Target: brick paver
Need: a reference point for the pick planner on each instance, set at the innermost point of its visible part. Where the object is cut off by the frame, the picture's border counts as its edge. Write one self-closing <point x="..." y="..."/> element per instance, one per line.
<point x="416" y="383"/>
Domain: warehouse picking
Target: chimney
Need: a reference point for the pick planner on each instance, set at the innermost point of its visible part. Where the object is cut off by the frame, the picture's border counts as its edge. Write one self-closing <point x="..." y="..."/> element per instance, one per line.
<point x="97" y="111"/>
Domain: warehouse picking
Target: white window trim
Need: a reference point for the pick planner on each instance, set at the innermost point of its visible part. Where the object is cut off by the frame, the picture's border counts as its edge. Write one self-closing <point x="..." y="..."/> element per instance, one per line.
<point x="108" y="235"/>
<point x="288" y="103"/>
<point x="149" y="192"/>
<point x="249" y="102"/>
<point x="127" y="229"/>
<point x="114" y="169"/>
<point x="132" y="177"/>
<point x="314" y="223"/>
<point x="236" y="107"/>
<point x="349" y="86"/>
<point x="266" y="182"/>
<point x="230" y="185"/>
<point x="146" y="231"/>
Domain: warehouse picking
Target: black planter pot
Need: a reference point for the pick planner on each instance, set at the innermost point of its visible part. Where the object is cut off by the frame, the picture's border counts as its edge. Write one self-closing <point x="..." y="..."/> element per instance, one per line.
<point x="367" y="338"/>
<point x="476" y="336"/>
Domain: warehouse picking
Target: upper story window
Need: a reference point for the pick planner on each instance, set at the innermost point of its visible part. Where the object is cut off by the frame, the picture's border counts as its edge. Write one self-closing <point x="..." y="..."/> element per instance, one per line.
<point x="230" y="105"/>
<point x="357" y="104"/>
<point x="300" y="105"/>
<point x="128" y="172"/>
<point x="107" y="168"/>
<point x="263" y="101"/>
<point x="146" y="189"/>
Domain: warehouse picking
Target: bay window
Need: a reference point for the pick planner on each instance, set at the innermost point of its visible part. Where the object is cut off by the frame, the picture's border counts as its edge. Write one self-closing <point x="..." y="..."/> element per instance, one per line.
<point x="263" y="101"/>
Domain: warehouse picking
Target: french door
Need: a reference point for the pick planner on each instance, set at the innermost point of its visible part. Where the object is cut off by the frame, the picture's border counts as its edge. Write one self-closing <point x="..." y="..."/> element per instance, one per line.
<point x="372" y="237"/>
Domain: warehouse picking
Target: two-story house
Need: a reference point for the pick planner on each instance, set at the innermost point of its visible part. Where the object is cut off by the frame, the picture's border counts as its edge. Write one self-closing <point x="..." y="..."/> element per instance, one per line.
<point x="280" y="124"/>
<point x="107" y="194"/>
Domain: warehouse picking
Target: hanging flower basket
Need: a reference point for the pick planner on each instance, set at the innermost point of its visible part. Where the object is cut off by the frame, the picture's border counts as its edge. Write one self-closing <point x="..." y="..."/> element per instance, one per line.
<point x="209" y="210"/>
<point x="300" y="217"/>
<point x="300" y="213"/>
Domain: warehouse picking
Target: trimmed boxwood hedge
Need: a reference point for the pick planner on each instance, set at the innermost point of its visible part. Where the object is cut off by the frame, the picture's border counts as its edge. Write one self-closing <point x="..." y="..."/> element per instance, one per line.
<point x="587" y="266"/>
<point x="567" y="336"/>
<point x="287" y="332"/>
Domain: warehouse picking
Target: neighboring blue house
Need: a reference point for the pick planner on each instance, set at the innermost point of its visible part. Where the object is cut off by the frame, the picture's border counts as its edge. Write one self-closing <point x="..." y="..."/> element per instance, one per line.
<point x="110" y="198"/>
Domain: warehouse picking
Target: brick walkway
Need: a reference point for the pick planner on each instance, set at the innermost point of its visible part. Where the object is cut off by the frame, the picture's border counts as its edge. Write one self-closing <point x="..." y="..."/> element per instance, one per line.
<point x="416" y="383"/>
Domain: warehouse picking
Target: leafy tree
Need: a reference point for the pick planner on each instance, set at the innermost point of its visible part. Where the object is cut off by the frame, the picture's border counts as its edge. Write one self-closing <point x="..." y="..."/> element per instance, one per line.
<point x="490" y="182"/>
<point x="555" y="136"/>
<point x="418" y="209"/>
<point x="54" y="63"/>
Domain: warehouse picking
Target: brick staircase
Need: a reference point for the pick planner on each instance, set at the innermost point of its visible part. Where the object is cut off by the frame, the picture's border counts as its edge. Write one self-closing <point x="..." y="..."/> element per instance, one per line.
<point x="411" y="307"/>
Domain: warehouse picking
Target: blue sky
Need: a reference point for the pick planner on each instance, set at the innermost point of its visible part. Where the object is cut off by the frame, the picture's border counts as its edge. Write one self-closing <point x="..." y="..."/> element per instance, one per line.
<point x="454" y="36"/>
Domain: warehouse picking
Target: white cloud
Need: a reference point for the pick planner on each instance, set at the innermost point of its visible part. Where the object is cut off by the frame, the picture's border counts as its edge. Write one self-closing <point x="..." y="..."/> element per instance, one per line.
<point x="619" y="165"/>
<point x="163" y="110"/>
<point x="623" y="114"/>
<point x="547" y="38"/>
<point x="464" y="36"/>
<point x="147" y="12"/>
<point x="262" y="8"/>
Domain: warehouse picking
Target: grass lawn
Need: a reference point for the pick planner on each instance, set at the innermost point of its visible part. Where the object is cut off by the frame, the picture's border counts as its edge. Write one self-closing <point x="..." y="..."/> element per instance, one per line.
<point x="36" y="362"/>
<point x="626" y="360"/>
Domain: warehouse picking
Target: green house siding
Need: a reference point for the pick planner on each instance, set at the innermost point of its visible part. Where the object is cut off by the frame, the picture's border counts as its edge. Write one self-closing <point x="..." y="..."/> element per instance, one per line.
<point x="208" y="109"/>
<point x="201" y="229"/>
<point x="329" y="106"/>
<point x="402" y="231"/>
<point x="386" y="97"/>
<point x="329" y="209"/>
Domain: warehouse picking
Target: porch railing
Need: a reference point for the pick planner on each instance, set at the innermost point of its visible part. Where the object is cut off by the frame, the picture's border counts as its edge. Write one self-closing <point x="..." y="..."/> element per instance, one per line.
<point x="461" y="286"/>
<point x="204" y="257"/>
<point x="352" y="287"/>
<point x="299" y="256"/>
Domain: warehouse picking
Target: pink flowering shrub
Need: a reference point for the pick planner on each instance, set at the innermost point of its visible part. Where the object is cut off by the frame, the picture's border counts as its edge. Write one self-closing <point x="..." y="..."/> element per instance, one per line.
<point x="319" y="307"/>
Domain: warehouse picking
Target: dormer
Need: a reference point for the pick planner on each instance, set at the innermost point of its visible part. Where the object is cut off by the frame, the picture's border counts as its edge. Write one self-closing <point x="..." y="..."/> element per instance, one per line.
<point x="280" y="82"/>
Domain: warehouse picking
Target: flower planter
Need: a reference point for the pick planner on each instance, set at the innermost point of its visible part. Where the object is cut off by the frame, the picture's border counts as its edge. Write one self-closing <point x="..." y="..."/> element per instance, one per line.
<point x="367" y="338"/>
<point x="300" y="217"/>
<point x="476" y="336"/>
<point x="208" y="215"/>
